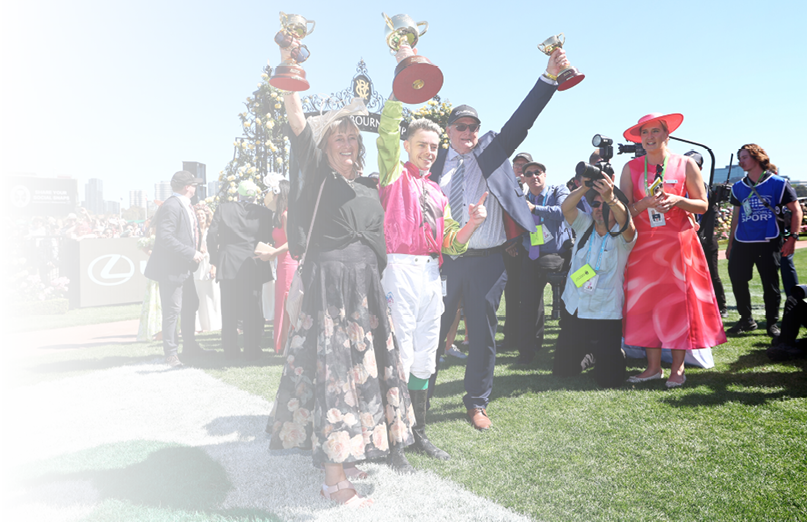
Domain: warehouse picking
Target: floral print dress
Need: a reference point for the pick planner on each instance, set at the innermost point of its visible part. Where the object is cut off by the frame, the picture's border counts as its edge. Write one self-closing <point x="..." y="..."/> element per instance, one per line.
<point x="343" y="394"/>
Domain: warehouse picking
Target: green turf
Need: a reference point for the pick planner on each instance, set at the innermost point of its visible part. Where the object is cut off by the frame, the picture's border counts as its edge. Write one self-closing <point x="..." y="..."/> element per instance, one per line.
<point x="75" y="317"/>
<point x="730" y="445"/>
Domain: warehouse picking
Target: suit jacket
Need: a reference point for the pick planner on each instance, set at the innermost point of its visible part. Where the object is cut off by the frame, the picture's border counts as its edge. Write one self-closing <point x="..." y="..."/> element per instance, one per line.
<point x="236" y="229"/>
<point x="492" y="153"/>
<point x="171" y="258"/>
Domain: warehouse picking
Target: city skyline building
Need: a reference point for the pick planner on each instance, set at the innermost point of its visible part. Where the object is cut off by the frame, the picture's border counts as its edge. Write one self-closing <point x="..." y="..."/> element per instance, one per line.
<point x="137" y="198"/>
<point x="94" y="196"/>
<point x="162" y="190"/>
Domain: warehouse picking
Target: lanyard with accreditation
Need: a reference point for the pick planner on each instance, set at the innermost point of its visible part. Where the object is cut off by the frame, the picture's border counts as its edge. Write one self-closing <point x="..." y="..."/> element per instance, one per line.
<point x="586" y="276"/>
<point x="540" y="236"/>
<point x="657" y="219"/>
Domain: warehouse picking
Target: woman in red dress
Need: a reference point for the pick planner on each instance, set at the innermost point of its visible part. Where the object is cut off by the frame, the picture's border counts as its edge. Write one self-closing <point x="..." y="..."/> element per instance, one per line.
<point x="669" y="299"/>
<point x="277" y="201"/>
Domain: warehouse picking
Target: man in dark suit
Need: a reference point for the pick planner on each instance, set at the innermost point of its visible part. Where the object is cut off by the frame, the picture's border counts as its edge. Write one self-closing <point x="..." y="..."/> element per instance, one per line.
<point x="174" y="258"/>
<point x="470" y="167"/>
<point x="236" y="229"/>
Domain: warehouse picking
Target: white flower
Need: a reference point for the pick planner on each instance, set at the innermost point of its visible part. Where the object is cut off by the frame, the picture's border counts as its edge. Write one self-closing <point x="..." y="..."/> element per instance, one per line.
<point x="258" y="121"/>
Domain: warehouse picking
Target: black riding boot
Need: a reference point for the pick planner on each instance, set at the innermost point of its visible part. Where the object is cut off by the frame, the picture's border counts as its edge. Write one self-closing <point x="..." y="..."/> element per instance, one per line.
<point x="421" y="442"/>
<point x="397" y="460"/>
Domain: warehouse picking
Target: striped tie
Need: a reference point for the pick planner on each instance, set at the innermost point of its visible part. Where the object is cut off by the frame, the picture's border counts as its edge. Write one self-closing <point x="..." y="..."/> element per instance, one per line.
<point x="457" y="200"/>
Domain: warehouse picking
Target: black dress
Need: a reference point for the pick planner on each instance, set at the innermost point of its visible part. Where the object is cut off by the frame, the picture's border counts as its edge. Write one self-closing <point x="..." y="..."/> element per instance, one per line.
<point x="342" y="393"/>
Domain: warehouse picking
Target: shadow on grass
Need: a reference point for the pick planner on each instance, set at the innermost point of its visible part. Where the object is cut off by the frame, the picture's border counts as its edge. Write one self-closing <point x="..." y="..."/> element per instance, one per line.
<point x="175" y="478"/>
<point x="752" y="379"/>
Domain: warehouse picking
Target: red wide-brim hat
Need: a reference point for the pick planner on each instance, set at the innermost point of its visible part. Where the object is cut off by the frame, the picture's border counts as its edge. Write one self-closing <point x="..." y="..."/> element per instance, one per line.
<point x="673" y="121"/>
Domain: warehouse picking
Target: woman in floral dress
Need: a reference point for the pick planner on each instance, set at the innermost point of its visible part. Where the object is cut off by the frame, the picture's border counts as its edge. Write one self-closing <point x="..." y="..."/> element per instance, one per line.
<point x="342" y="393"/>
<point x="151" y="316"/>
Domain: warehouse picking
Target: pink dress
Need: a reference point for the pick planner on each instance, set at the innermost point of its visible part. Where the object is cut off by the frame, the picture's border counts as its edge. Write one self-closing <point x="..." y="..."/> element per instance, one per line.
<point x="286" y="265"/>
<point x="669" y="299"/>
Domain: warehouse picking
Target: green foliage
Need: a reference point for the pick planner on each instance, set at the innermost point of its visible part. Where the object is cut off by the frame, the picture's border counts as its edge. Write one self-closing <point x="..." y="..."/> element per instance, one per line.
<point x="49" y="307"/>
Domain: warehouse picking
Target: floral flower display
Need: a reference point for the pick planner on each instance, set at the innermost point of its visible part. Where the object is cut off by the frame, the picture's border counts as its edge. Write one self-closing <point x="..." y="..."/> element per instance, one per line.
<point x="263" y="148"/>
<point x="21" y="285"/>
<point x="436" y="111"/>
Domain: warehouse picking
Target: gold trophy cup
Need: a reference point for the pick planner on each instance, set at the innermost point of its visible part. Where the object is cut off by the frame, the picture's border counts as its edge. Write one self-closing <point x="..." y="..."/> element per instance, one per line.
<point x="289" y="75"/>
<point x="568" y="77"/>
<point x="417" y="79"/>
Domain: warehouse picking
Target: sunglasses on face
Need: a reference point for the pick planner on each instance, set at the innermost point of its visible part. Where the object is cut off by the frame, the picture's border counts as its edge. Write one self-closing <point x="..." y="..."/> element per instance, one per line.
<point x="462" y="126"/>
<point x="532" y="173"/>
<point x="596" y="204"/>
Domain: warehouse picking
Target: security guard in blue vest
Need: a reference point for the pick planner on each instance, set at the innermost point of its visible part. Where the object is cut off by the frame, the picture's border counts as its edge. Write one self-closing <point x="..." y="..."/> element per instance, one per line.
<point x="755" y="238"/>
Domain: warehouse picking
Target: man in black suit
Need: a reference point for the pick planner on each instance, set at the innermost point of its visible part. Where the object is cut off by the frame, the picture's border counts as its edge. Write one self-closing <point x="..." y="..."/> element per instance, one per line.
<point x="236" y="229"/>
<point x="174" y="258"/>
<point x="478" y="277"/>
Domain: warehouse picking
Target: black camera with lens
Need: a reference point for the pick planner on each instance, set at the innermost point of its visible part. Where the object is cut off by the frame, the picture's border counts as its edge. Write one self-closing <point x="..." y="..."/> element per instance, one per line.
<point x="593" y="172"/>
<point x="722" y="192"/>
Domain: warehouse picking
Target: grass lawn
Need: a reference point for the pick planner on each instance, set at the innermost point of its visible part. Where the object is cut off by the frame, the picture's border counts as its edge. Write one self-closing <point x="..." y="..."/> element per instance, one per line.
<point x="730" y="445"/>
<point x="75" y="317"/>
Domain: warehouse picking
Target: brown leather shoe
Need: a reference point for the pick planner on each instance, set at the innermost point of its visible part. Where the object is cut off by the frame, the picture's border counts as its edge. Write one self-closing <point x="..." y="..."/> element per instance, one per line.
<point x="173" y="361"/>
<point x="479" y="418"/>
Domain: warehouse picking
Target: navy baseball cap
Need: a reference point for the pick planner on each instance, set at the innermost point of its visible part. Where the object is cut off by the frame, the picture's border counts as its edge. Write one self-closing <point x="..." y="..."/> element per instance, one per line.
<point x="463" y="111"/>
<point x="183" y="177"/>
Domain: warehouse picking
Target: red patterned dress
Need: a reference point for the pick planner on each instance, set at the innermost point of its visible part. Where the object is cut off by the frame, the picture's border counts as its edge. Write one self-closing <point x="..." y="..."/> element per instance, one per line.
<point x="286" y="266"/>
<point x="669" y="299"/>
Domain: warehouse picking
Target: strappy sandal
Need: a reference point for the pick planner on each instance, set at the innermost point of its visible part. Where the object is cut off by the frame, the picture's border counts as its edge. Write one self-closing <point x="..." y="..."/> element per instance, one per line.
<point x="355" y="501"/>
<point x="351" y="471"/>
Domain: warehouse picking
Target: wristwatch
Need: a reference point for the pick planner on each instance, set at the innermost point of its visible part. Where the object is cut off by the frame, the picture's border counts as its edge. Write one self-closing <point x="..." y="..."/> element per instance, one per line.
<point x="794" y="235"/>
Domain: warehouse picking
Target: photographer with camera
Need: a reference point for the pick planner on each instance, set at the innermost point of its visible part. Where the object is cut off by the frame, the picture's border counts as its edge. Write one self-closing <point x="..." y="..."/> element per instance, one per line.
<point x="786" y="347"/>
<point x="706" y="234"/>
<point x="669" y="298"/>
<point x="591" y="319"/>
<point x="755" y="239"/>
<point x="544" y="251"/>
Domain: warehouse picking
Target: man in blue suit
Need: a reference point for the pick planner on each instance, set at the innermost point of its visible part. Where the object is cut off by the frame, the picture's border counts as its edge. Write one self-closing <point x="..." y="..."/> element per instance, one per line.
<point x="174" y="258"/>
<point x="472" y="166"/>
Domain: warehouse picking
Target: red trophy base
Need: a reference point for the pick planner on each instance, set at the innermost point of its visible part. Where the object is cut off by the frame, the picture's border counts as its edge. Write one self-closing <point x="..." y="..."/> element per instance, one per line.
<point x="568" y="78"/>
<point x="289" y="78"/>
<point x="416" y="80"/>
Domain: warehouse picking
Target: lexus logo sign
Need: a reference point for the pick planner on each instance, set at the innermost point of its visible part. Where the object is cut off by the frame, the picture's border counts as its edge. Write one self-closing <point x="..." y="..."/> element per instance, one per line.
<point x="111" y="270"/>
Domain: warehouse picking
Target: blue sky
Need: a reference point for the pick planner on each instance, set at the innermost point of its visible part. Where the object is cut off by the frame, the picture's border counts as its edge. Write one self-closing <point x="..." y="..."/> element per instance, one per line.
<point x="125" y="91"/>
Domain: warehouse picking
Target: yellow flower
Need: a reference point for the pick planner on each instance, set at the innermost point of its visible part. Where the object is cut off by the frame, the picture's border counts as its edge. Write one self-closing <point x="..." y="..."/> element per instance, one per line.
<point x="258" y="121"/>
<point x="445" y="145"/>
<point x="265" y="76"/>
<point x="270" y="124"/>
<point x="274" y="94"/>
<point x="277" y="106"/>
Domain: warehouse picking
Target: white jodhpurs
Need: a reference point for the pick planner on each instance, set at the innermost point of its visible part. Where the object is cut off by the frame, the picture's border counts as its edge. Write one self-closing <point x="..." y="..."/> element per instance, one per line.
<point x="415" y="298"/>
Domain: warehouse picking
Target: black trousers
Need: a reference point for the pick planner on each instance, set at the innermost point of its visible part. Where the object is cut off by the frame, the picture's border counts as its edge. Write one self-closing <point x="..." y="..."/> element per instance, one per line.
<point x="741" y="263"/>
<point x="710" y="251"/>
<point x="534" y="277"/>
<point x="241" y="299"/>
<point x="479" y="282"/>
<point x="603" y="338"/>
<point x="512" y="296"/>
<point x="179" y="303"/>
<point x="794" y="318"/>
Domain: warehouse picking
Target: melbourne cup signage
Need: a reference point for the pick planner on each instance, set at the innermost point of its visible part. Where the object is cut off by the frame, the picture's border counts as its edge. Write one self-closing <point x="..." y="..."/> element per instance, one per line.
<point x="111" y="272"/>
<point x="32" y="196"/>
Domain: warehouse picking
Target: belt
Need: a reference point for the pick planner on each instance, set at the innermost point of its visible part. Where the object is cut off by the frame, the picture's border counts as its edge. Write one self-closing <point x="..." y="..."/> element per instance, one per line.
<point x="480" y="252"/>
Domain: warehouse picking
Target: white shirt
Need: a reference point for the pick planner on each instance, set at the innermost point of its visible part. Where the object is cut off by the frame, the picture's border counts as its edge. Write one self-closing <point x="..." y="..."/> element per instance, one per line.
<point x="491" y="232"/>
<point x="608" y="297"/>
